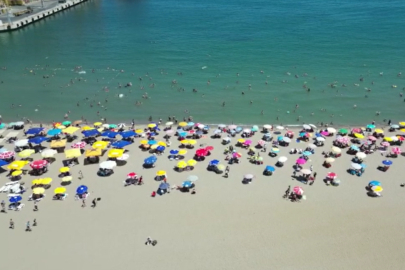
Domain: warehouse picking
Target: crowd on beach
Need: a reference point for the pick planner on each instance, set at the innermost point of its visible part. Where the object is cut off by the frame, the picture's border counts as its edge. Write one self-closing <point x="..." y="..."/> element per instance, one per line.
<point x="94" y="140"/>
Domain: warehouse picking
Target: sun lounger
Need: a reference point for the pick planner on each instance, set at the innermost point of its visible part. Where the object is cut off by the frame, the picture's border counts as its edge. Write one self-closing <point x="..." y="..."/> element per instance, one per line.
<point x="21" y="206"/>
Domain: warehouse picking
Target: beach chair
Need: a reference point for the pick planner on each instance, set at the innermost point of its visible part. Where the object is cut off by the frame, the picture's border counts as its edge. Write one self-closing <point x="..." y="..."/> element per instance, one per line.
<point x="19" y="207"/>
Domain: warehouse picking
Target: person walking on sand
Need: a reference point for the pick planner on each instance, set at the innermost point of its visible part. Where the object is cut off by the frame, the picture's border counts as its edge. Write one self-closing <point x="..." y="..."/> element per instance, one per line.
<point x="287" y="192"/>
<point x="34" y="222"/>
<point x="81" y="175"/>
<point x="84" y="203"/>
<point x="28" y="229"/>
<point x="11" y="224"/>
<point x="94" y="203"/>
<point x="148" y="241"/>
<point x="35" y="206"/>
<point x="3" y="207"/>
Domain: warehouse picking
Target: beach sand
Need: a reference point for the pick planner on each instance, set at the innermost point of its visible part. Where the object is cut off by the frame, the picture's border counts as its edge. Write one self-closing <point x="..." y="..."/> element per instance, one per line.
<point x="226" y="225"/>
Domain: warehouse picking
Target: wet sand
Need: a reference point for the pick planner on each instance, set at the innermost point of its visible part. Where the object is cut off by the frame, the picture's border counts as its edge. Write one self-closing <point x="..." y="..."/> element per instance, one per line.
<point x="226" y="225"/>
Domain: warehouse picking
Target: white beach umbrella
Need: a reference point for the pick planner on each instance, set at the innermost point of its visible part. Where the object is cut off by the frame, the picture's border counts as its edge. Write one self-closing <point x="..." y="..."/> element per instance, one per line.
<point x="169" y="132"/>
<point x="331" y="130"/>
<point x="106" y="126"/>
<point x="306" y="127"/>
<point x="306" y="171"/>
<point x="20" y="123"/>
<point x="279" y="127"/>
<point x="336" y="150"/>
<point x="21" y="143"/>
<point x="226" y="139"/>
<point x="312" y="146"/>
<point x="356" y="166"/>
<point x="201" y="126"/>
<point x="217" y="131"/>
<point x="267" y="126"/>
<point x="247" y="130"/>
<point x="313" y="126"/>
<point x="248" y="176"/>
<point x="168" y="124"/>
<point x="48" y="153"/>
<point x="108" y="164"/>
<point x="221" y="126"/>
<point x="320" y="139"/>
<point x="394" y="138"/>
<point x="361" y="155"/>
<point x="192" y="178"/>
<point x="282" y="159"/>
<point x="121" y="125"/>
<point x="330" y="160"/>
<point x="123" y="157"/>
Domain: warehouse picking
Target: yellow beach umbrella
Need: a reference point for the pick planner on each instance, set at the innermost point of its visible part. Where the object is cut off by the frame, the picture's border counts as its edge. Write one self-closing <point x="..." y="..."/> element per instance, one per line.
<point x="241" y="140"/>
<point x="379" y="131"/>
<point x="85" y="128"/>
<point x="162" y="143"/>
<point x="73" y="153"/>
<point x="59" y="190"/>
<point x="17" y="165"/>
<point x="143" y="142"/>
<point x="70" y="130"/>
<point x="184" y="142"/>
<point x="151" y="125"/>
<point x="161" y="173"/>
<point x="221" y="167"/>
<point x="26" y="153"/>
<point x="97" y="124"/>
<point x="38" y="190"/>
<point x="192" y="142"/>
<point x="377" y="188"/>
<point x="16" y="173"/>
<point x="67" y="179"/>
<point x="93" y="152"/>
<point x="181" y="164"/>
<point x="139" y="131"/>
<point x="402" y="130"/>
<point x="154" y="146"/>
<point x="402" y="124"/>
<point x="359" y="136"/>
<point x="182" y="152"/>
<point x="58" y="143"/>
<point x="388" y="139"/>
<point x="191" y="162"/>
<point x="182" y="124"/>
<point x="115" y="153"/>
<point x="100" y="145"/>
<point x="61" y="127"/>
<point x="37" y="181"/>
<point x="64" y="169"/>
<point x="46" y="181"/>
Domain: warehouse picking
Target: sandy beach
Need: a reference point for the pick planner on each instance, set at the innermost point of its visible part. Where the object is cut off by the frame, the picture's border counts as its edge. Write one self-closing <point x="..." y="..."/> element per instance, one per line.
<point x="225" y="225"/>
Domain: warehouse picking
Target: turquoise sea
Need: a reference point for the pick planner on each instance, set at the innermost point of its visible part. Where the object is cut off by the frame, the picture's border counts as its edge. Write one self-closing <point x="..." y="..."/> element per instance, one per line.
<point x="232" y="44"/>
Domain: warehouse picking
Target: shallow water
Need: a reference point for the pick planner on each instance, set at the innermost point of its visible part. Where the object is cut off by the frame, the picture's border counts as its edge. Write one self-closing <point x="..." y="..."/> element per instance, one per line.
<point x="330" y="42"/>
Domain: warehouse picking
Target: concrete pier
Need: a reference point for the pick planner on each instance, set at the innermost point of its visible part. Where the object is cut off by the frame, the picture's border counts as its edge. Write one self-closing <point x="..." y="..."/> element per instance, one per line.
<point x="9" y="23"/>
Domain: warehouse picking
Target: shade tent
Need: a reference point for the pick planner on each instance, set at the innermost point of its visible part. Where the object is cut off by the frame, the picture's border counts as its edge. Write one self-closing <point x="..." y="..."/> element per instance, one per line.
<point x="37" y="140"/>
<point x="120" y="144"/>
<point x="128" y="134"/>
<point x="34" y="131"/>
<point x="109" y="134"/>
<point x="90" y="133"/>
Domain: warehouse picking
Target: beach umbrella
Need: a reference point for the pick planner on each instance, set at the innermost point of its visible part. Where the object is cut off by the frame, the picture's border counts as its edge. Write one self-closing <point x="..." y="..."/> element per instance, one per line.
<point x="330" y="160"/>
<point x="72" y="153"/>
<point x="181" y="165"/>
<point x="48" y="153"/>
<point x="332" y="175"/>
<point x="307" y="153"/>
<point x="190" y="124"/>
<point x="379" y="131"/>
<point x="97" y="124"/>
<point x="201" y="152"/>
<point x="280" y="138"/>
<point x="343" y="131"/>
<point x="70" y="130"/>
<point x="2" y="125"/>
<point x="174" y="152"/>
<point x="400" y="138"/>
<point x="187" y="184"/>
<point x="54" y="132"/>
<point x="160" y="143"/>
<point x="221" y="167"/>
<point x="38" y="190"/>
<point x="320" y="139"/>
<point x="214" y="162"/>
<point x="34" y="131"/>
<point x="109" y="134"/>
<point x="16" y="173"/>
<point x="17" y="165"/>
<point x="241" y="140"/>
<point x="361" y="155"/>
<point x="37" y="140"/>
<point x="38" y="164"/>
<point x="356" y="166"/>
<point x="60" y="190"/>
<point x="370" y="126"/>
<point x="372" y="138"/>
<point x="46" y="181"/>
<point x="248" y="176"/>
<point x="325" y="133"/>
<point x="302" y="134"/>
<point x="359" y="136"/>
<point x="115" y="153"/>
<point x="3" y="149"/>
<point x="168" y="124"/>
<point x="385" y="144"/>
<point x="217" y="131"/>
<point x="395" y="126"/>
<point x="109" y="164"/>
<point x="387" y="162"/>
<point x="279" y="127"/>
<point x="374" y="183"/>
<point x="67" y="179"/>
<point x="248" y="142"/>
<point x="86" y="128"/>
<point x="58" y="143"/>
<point x="236" y="155"/>
<point x="128" y="134"/>
<point x="93" y="152"/>
<point x="2" y="162"/>
<point x="131" y="175"/>
<point x="306" y="127"/>
<point x="226" y="139"/>
<point x="81" y="189"/>
<point x="388" y="139"/>
<point x="91" y="133"/>
<point x="192" y="142"/>
<point x="377" y="188"/>
<point x="355" y="147"/>
<point x="312" y="146"/>
<point x="80" y="145"/>
<point x="184" y="141"/>
<point x="26" y="153"/>
<point x="160" y="148"/>
<point x="15" y="199"/>
<point x="21" y="143"/>
<point x="396" y="150"/>
<point x="152" y="125"/>
<point x="164" y="186"/>
<point x="331" y="130"/>
<point x="255" y="128"/>
<point x="394" y="138"/>
<point x="182" y="152"/>
<point x="336" y="150"/>
<point x="301" y="161"/>
<point x="64" y="169"/>
<point x="270" y="168"/>
<point x="261" y="142"/>
<point x="120" y="144"/>
<point x="100" y="145"/>
<point x="282" y="159"/>
<point x="150" y="160"/>
<point x="66" y="123"/>
<point x="182" y="124"/>
<point x="306" y="171"/>
<point x="19" y="123"/>
<point x="275" y="150"/>
<point x="192" y="178"/>
<point x="298" y="190"/>
<point x="232" y="127"/>
<point x="221" y="126"/>
<point x="286" y="139"/>
<point x="143" y="142"/>
<point x="161" y="173"/>
<point x="37" y="182"/>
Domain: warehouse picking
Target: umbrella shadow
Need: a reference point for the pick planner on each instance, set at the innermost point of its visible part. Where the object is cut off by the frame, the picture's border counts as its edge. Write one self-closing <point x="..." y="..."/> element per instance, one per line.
<point x="299" y="178"/>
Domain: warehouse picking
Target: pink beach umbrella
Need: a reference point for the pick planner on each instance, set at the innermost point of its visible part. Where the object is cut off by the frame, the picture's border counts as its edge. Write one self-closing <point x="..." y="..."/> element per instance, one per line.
<point x="209" y="148"/>
<point x="232" y="126"/>
<point x="372" y="138"/>
<point x="261" y="142"/>
<point x="248" y="142"/>
<point x="331" y="175"/>
<point x="38" y="164"/>
<point x="6" y="155"/>
<point x="356" y="130"/>
<point x="343" y="139"/>
<point x="236" y="155"/>
<point x="386" y="144"/>
<point x="298" y="190"/>
<point x="301" y="161"/>
<point x="192" y="131"/>
<point x="396" y="150"/>
<point x="80" y="145"/>
<point x="325" y="133"/>
<point x="131" y="175"/>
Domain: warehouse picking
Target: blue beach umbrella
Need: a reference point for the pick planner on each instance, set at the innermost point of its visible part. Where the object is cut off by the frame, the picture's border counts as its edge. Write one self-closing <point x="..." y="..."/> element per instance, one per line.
<point x="199" y="132"/>
<point x="150" y="160"/>
<point x="120" y="144"/>
<point x="127" y="134"/>
<point x="302" y="134"/>
<point x="164" y="185"/>
<point x="109" y="134"/>
<point x="54" y="132"/>
<point x="238" y="129"/>
<point x="37" y="140"/>
<point x="190" y="124"/>
<point x="81" y="189"/>
<point x="374" y="183"/>
<point x="2" y="162"/>
<point x="214" y="162"/>
<point x="160" y="148"/>
<point x="187" y="184"/>
<point x="387" y="162"/>
<point x="90" y="133"/>
<point x="15" y="199"/>
<point x="2" y="125"/>
<point x="174" y="152"/>
<point x="182" y="134"/>
<point x="363" y="165"/>
<point x="270" y="168"/>
<point x="255" y="128"/>
<point x="355" y="147"/>
<point x="280" y="138"/>
<point x="318" y="135"/>
<point x="275" y="150"/>
<point x="307" y="153"/>
<point x="34" y="131"/>
<point x="152" y="134"/>
<point x="370" y="126"/>
<point x="152" y="142"/>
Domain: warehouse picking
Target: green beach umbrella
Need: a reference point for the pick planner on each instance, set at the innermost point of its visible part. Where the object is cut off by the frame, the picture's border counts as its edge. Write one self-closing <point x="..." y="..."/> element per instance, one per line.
<point x="66" y="123"/>
<point x="113" y="126"/>
<point x="2" y="125"/>
<point x="343" y="131"/>
<point x="12" y="124"/>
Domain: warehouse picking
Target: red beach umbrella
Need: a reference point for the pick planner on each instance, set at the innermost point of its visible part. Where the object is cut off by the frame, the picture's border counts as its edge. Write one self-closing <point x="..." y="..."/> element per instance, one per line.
<point x="131" y="175"/>
<point x="201" y="152"/>
<point x="298" y="190"/>
<point x="332" y="175"/>
<point x="209" y="148"/>
<point x="38" y="164"/>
